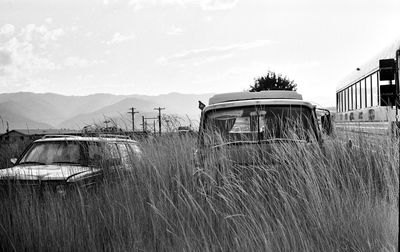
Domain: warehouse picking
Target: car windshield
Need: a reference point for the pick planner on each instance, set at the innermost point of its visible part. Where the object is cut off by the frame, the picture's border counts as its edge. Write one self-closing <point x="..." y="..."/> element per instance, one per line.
<point x="258" y="123"/>
<point x="85" y="153"/>
<point x="55" y="152"/>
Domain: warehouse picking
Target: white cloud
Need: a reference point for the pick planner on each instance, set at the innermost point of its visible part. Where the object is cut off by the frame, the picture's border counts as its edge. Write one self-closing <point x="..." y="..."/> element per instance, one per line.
<point x="7" y="29"/>
<point x="219" y="4"/>
<point x="209" y="5"/>
<point x="40" y="36"/>
<point x="24" y="59"/>
<point x="5" y="58"/>
<point x="206" y="55"/>
<point x="107" y="2"/>
<point x="77" y="62"/>
<point x="73" y="28"/>
<point x="175" y="31"/>
<point x="162" y="60"/>
<point x="119" y="38"/>
<point x="213" y="58"/>
<point x="26" y="52"/>
<point x="49" y="20"/>
<point x="208" y="19"/>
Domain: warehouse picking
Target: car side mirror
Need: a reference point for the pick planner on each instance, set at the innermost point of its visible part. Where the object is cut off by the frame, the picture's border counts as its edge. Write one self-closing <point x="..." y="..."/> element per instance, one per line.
<point x="13" y="161"/>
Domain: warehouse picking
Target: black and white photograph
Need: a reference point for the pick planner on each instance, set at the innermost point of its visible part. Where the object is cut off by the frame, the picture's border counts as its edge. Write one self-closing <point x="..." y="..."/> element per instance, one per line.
<point x="199" y="125"/>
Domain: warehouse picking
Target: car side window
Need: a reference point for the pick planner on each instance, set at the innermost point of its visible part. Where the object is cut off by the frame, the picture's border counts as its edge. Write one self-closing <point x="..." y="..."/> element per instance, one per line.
<point x="136" y="151"/>
<point x="112" y="154"/>
<point x="124" y="153"/>
<point x="95" y="154"/>
<point x="129" y="155"/>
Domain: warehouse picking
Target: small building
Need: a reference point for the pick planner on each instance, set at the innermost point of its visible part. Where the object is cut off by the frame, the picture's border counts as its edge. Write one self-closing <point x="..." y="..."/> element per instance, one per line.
<point x="28" y="135"/>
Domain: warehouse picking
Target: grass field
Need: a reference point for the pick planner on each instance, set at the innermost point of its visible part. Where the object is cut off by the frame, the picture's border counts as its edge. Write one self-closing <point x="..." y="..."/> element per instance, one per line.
<point x="308" y="199"/>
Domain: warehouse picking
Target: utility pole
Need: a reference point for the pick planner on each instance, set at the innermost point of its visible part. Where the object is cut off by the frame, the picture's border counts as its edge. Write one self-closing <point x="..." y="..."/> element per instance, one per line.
<point x="143" y="124"/>
<point x="107" y="122"/>
<point x="133" y="112"/>
<point x="396" y="79"/>
<point x="159" y="118"/>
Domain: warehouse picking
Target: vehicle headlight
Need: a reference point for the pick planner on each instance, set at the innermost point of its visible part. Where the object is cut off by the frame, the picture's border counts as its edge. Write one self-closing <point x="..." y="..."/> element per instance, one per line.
<point x="60" y="189"/>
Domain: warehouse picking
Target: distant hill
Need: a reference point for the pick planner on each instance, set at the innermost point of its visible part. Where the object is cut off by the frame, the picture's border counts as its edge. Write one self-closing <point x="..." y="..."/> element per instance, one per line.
<point x="117" y="113"/>
<point x="184" y="104"/>
<point x="16" y="120"/>
<point x="51" y="110"/>
<point x="62" y="106"/>
<point x="34" y="109"/>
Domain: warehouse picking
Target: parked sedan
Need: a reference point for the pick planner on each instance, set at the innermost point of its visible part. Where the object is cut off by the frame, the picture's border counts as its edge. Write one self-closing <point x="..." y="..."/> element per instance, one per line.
<point x="56" y="163"/>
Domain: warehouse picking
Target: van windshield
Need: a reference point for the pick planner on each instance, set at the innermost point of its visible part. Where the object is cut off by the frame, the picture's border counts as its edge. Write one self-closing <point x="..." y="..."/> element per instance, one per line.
<point x="256" y="123"/>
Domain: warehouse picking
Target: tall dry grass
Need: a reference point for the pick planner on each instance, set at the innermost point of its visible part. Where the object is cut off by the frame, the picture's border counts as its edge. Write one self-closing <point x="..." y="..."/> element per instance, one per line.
<point x="293" y="197"/>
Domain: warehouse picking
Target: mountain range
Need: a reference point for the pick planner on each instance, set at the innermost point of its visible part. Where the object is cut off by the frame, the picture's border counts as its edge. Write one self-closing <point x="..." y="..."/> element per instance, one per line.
<point x="48" y="110"/>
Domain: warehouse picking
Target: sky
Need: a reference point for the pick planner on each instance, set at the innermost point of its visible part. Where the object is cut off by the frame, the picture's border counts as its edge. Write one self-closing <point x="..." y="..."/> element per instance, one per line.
<point x="152" y="47"/>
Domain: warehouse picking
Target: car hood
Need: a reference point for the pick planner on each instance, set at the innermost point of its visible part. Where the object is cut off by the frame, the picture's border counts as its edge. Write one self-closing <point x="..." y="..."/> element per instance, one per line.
<point x="45" y="172"/>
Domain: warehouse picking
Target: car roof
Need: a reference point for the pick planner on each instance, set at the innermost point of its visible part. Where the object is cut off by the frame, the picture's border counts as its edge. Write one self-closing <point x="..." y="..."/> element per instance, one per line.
<point x="53" y="138"/>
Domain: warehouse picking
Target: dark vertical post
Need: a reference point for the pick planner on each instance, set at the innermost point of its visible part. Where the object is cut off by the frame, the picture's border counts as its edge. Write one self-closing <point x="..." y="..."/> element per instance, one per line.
<point x="106" y="122"/>
<point x="159" y="118"/>
<point x="143" y="124"/>
<point x="133" y="112"/>
<point x="396" y="79"/>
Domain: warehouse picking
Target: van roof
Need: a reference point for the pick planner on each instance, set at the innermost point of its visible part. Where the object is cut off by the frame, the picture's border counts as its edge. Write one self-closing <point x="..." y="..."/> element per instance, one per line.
<point x="258" y="102"/>
<point x="241" y="96"/>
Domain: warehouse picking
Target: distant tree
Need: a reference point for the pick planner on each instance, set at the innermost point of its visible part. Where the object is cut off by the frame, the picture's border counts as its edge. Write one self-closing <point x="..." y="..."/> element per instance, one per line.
<point x="272" y="81"/>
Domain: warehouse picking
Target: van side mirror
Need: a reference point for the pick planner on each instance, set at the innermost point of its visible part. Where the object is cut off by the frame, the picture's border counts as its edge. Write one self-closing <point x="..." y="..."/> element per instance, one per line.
<point x="201" y="105"/>
<point x="326" y="124"/>
<point x="326" y="120"/>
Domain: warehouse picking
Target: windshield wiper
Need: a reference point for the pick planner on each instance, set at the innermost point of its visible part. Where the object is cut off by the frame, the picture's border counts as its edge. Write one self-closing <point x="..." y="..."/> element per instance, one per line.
<point x="32" y="162"/>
